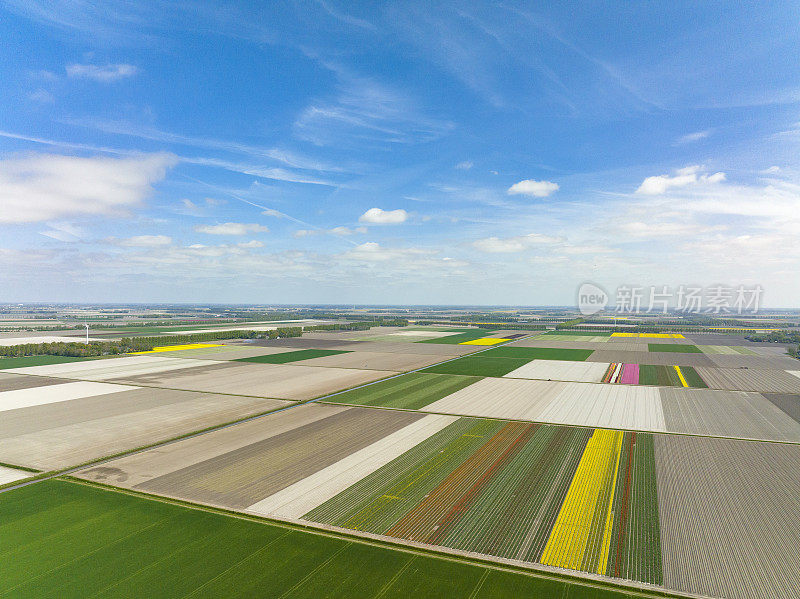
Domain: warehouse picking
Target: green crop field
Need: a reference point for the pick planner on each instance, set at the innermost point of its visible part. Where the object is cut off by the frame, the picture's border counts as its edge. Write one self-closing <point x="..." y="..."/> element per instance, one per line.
<point x="410" y="391"/>
<point x="480" y="365"/>
<point x="36" y="361"/>
<point x="64" y="539"/>
<point x="292" y="356"/>
<point x="667" y="376"/>
<point x="674" y="347"/>
<point x="539" y="353"/>
<point x="693" y="378"/>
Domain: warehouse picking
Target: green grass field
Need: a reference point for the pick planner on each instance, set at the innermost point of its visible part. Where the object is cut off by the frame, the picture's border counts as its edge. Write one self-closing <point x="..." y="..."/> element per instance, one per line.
<point x="539" y="353"/>
<point x="292" y="356"/>
<point x="410" y="391"/>
<point x="37" y="361"/>
<point x="480" y="365"/>
<point x="63" y="539"/>
<point x="674" y="348"/>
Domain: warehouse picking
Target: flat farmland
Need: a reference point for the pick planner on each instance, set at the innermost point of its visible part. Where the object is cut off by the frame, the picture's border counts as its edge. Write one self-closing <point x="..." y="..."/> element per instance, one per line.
<point x="60" y="425"/>
<point x="539" y="353"/>
<point x="726" y="414"/>
<point x="396" y="361"/>
<point x="479" y="365"/>
<point x="754" y="362"/>
<point x="729" y="516"/>
<point x="64" y="539"/>
<point x="644" y="408"/>
<point x="679" y="348"/>
<point x="745" y="379"/>
<point x="282" y="381"/>
<point x="656" y="358"/>
<point x="504" y="489"/>
<point x="228" y="352"/>
<point x="291" y="356"/>
<point x="410" y="391"/>
<point x="561" y="370"/>
<point x="787" y="403"/>
<point x="10" y="475"/>
<point x="270" y="454"/>
<point x="113" y="368"/>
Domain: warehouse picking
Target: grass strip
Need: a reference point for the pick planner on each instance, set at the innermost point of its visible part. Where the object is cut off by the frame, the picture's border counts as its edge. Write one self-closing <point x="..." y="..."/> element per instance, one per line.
<point x="292" y="356"/>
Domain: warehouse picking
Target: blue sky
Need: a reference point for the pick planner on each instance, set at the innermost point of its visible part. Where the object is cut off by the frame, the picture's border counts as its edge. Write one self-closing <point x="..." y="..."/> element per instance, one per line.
<point x="429" y="153"/>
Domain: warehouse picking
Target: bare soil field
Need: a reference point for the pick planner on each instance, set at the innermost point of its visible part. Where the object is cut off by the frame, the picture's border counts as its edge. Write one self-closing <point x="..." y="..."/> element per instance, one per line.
<point x="57" y="435"/>
<point x="399" y="362"/>
<point x="728" y="512"/>
<point x="282" y="381"/>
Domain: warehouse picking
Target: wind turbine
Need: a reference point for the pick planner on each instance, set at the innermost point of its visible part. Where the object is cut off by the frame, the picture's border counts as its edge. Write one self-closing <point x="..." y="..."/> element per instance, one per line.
<point x="86" y="324"/>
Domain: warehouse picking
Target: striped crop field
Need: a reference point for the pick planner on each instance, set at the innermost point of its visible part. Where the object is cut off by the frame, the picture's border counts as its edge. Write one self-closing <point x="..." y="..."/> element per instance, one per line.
<point x="678" y="348"/>
<point x="292" y="356"/>
<point x="410" y="391"/>
<point x="480" y="365"/>
<point x="575" y="498"/>
<point x="726" y="350"/>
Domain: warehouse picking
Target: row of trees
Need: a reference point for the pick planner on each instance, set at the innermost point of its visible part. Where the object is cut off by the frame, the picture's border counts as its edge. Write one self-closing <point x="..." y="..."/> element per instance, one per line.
<point x="136" y="344"/>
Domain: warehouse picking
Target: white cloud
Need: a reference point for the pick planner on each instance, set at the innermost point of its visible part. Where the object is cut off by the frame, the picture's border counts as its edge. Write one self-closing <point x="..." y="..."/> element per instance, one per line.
<point x="689" y="175"/>
<point x="509" y="245"/>
<point x="383" y="217"/>
<point x="146" y="241"/>
<point x="232" y="229"/>
<point x="43" y="187"/>
<point x="105" y="73"/>
<point x="693" y="137"/>
<point x="536" y="189"/>
<point x="465" y="166"/>
<point x="773" y="170"/>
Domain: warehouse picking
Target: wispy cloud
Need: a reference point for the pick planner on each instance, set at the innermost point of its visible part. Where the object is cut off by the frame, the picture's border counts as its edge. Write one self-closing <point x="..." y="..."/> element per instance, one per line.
<point x="693" y="137"/>
<point x="103" y="73"/>
<point x="286" y="157"/>
<point x="366" y="112"/>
